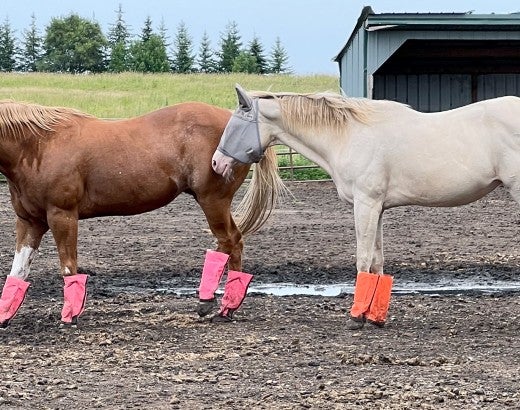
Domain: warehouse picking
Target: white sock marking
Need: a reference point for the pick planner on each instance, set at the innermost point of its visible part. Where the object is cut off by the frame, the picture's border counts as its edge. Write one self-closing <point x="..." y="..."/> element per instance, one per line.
<point x="22" y="262"/>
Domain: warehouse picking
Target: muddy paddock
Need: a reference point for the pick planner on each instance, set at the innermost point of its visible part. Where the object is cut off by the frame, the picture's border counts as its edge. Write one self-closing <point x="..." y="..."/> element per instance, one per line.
<point x="140" y="345"/>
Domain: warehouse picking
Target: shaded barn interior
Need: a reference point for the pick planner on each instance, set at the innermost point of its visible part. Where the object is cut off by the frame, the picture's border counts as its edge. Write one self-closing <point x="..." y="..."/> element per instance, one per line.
<point x="432" y="62"/>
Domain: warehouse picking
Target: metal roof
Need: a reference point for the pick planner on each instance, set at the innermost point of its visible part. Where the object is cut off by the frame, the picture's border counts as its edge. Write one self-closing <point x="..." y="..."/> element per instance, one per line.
<point x="420" y="20"/>
<point x="431" y="21"/>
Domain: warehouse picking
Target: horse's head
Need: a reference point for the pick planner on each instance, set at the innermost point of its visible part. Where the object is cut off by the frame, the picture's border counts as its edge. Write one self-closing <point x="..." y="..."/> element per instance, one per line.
<point x="248" y="133"/>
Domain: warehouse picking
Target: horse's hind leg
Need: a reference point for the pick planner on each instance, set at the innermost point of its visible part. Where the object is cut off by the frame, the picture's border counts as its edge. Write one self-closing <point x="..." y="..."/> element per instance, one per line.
<point x="64" y="228"/>
<point x="28" y="239"/>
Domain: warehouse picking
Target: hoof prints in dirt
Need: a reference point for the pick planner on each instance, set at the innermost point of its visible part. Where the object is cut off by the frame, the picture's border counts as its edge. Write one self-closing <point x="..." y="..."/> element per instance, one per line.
<point x="148" y="349"/>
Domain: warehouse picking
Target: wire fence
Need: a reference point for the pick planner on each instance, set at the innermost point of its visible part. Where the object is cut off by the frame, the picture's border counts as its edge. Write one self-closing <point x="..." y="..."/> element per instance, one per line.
<point x="292" y="167"/>
<point x="295" y="167"/>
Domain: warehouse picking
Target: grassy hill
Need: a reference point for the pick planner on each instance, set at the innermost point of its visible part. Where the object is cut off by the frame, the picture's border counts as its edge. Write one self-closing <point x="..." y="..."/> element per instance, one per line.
<point x="130" y="94"/>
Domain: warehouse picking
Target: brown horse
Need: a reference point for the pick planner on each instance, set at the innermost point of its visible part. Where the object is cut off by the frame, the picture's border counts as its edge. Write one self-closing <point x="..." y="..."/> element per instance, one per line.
<point x="63" y="165"/>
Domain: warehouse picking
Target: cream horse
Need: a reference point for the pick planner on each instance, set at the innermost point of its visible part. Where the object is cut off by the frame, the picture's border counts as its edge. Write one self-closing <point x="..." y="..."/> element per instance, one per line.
<point x="381" y="154"/>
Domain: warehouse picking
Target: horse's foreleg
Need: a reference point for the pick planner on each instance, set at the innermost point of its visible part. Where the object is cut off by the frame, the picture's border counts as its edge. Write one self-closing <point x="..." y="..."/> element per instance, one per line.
<point x="372" y="290"/>
<point x="64" y="228"/>
<point x="377" y="263"/>
<point x="223" y="227"/>
<point x="28" y="239"/>
<point x="367" y="215"/>
<point x="229" y="242"/>
<point x="233" y="245"/>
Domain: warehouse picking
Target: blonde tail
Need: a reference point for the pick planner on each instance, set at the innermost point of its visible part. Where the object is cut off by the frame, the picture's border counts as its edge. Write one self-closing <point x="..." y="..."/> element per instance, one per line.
<point x="262" y="194"/>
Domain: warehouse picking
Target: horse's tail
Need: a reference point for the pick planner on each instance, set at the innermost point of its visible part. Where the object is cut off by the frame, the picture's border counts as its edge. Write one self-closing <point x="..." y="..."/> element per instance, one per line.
<point x="262" y="194"/>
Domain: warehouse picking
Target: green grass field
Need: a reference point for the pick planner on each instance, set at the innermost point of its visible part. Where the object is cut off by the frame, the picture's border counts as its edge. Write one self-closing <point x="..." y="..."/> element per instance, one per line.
<point x="131" y="94"/>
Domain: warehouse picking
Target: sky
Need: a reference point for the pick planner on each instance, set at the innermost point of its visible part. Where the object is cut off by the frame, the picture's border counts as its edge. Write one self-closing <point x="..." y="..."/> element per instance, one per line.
<point x="311" y="31"/>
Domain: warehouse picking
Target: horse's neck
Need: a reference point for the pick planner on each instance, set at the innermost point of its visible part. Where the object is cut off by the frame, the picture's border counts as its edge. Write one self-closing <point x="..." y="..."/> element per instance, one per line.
<point x="319" y="149"/>
<point x="11" y="150"/>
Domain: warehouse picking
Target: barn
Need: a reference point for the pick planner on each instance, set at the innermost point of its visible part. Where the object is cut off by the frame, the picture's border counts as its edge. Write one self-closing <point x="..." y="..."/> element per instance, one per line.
<point x="432" y="61"/>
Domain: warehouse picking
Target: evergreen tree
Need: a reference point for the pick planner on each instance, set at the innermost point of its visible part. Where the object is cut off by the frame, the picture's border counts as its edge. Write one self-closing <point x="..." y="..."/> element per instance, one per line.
<point x="229" y="47"/>
<point x="118" y="32"/>
<point x="148" y="54"/>
<point x="163" y="33"/>
<point x="147" y="30"/>
<point x="206" y="60"/>
<point x="74" y="45"/>
<point x="119" y="56"/>
<point x="7" y="47"/>
<point x="279" y="59"/>
<point x="118" y="39"/>
<point x="32" y="50"/>
<point x="183" y="58"/>
<point x="256" y="49"/>
<point x="245" y="63"/>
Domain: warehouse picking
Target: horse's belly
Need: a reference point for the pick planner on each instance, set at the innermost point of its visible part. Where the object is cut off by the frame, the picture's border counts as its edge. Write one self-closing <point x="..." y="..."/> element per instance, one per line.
<point x="439" y="194"/>
<point x="127" y="200"/>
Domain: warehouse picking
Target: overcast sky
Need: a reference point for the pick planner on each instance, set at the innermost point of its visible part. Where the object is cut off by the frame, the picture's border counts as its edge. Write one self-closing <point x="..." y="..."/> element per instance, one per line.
<point x="312" y="31"/>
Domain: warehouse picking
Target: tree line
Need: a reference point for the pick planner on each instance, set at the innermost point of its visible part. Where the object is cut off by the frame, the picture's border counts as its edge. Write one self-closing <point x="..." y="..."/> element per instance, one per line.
<point x="75" y="45"/>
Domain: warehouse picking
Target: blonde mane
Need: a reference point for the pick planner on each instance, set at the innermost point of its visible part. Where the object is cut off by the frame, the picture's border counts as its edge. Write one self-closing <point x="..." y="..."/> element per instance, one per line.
<point x="308" y="112"/>
<point x="16" y="118"/>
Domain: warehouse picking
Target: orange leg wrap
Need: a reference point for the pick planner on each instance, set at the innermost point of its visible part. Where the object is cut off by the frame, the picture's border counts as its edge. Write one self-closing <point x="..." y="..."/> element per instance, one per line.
<point x="366" y="284"/>
<point x="381" y="300"/>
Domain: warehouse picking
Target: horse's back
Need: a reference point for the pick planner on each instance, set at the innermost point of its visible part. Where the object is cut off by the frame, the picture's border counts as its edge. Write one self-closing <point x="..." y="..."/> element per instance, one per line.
<point x="155" y="157"/>
<point x="443" y="159"/>
<point x="129" y="166"/>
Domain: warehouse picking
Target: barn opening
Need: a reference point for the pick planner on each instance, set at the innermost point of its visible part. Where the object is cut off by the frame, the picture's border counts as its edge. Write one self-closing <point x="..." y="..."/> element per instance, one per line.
<point x="432" y="62"/>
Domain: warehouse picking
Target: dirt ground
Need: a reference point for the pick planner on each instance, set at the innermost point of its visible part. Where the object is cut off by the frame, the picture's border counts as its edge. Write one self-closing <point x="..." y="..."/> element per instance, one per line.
<point x="139" y="345"/>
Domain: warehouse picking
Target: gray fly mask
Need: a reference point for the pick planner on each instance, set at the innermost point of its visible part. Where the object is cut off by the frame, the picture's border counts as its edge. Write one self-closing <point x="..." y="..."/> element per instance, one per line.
<point x="241" y="138"/>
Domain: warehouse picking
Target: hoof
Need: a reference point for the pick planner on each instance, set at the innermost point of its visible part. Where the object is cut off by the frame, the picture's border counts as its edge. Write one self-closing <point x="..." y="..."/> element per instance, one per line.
<point x="205" y="307"/>
<point x="72" y="324"/>
<point x="66" y="325"/>
<point x="221" y="319"/>
<point x="376" y="324"/>
<point x="355" y="323"/>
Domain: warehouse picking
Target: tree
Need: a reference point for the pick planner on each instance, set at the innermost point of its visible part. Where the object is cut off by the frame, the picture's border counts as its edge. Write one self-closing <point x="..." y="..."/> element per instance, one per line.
<point x="206" y="60"/>
<point x="229" y="47"/>
<point x="147" y="30"/>
<point x="245" y="63"/>
<point x="148" y="54"/>
<point x="32" y="50"/>
<point x="74" y="45"/>
<point x="7" y="47"/>
<point x="118" y="43"/>
<point x="183" y="58"/>
<point x="257" y="51"/>
<point x="163" y="33"/>
<point x="278" y="59"/>
<point x="119" y="56"/>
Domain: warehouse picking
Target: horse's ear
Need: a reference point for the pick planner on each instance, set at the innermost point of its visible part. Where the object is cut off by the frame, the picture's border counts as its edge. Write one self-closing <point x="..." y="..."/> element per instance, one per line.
<point x="244" y="101"/>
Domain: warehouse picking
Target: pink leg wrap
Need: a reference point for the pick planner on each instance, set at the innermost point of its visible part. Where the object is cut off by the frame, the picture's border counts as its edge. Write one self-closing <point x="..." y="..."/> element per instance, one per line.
<point x="75" y="296"/>
<point x="12" y="298"/>
<point x="212" y="271"/>
<point x="234" y="292"/>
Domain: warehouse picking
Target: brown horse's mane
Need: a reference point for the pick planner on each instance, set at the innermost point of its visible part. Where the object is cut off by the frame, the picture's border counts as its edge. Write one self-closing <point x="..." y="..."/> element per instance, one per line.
<point x="308" y="112"/>
<point x="16" y="118"/>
